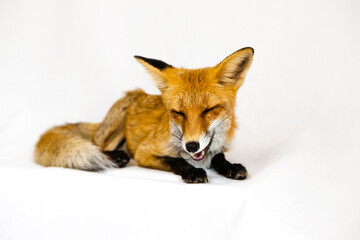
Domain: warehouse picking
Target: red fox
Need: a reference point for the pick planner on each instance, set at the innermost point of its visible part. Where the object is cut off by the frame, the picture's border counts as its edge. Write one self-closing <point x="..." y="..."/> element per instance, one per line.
<point x="185" y="129"/>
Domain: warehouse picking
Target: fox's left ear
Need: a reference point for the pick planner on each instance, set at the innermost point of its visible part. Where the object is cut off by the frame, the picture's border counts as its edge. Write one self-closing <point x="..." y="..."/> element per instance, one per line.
<point x="233" y="69"/>
<point x="156" y="68"/>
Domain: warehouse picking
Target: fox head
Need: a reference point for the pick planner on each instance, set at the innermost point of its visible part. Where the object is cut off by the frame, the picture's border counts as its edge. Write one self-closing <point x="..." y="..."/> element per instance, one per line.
<point x="201" y="102"/>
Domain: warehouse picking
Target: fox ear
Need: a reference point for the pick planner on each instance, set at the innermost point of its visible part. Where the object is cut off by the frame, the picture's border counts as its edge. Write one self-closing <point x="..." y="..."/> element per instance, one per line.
<point x="233" y="69"/>
<point x="156" y="69"/>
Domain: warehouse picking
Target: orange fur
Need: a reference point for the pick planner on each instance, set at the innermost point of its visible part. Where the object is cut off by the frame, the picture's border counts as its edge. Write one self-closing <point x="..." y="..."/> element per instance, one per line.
<point x="191" y="101"/>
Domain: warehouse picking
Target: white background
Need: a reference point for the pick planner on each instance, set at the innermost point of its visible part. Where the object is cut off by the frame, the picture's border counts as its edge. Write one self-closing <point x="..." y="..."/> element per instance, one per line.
<point x="298" y="114"/>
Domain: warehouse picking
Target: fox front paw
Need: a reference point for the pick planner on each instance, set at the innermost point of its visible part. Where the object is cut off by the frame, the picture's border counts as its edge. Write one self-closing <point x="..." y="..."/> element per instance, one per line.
<point x="227" y="169"/>
<point x="194" y="175"/>
<point x="234" y="171"/>
<point x="118" y="157"/>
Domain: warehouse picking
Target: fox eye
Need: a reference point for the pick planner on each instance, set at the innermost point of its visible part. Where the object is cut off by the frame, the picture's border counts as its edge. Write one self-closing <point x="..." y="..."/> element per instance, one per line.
<point x="178" y="113"/>
<point x="209" y="110"/>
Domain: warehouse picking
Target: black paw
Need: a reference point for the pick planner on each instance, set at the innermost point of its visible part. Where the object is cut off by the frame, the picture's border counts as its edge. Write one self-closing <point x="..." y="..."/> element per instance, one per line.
<point x="234" y="171"/>
<point x="194" y="175"/>
<point x="119" y="157"/>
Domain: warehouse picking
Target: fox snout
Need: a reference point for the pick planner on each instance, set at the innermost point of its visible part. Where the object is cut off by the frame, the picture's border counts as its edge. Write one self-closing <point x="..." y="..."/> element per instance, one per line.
<point x="198" y="149"/>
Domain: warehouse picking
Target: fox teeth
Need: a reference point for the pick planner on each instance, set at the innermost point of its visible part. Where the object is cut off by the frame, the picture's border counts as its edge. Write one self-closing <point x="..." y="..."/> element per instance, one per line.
<point x="201" y="153"/>
<point x="198" y="155"/>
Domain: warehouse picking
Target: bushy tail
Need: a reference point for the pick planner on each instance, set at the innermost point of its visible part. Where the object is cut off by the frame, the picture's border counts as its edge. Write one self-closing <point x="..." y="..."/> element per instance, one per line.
<point x="64" y="147"/>
<point x="82" y="145"/>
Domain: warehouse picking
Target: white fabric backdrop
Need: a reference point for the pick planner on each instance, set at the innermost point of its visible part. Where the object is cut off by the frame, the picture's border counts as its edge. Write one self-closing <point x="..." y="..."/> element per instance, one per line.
<point x="298" y="111"/>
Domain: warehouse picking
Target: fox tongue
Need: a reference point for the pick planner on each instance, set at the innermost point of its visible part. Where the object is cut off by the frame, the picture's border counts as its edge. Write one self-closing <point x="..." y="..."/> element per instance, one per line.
<point x="198" y="156"/>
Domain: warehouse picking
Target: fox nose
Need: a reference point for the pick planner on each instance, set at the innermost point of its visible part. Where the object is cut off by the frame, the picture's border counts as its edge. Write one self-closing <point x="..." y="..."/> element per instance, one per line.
<point x="192" y="146"/>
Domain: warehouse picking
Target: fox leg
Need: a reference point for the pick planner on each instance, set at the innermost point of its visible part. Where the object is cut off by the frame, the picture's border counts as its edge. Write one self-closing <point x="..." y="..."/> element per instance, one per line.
<point x="227" y="169"/>
<point x="119" y="157"/>
<point x="144" y="157"/>
<point x="188" y="173"/>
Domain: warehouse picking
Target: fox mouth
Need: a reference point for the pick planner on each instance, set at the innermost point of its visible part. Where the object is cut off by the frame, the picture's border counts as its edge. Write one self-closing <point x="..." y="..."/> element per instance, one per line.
<point x="201" y="155"/>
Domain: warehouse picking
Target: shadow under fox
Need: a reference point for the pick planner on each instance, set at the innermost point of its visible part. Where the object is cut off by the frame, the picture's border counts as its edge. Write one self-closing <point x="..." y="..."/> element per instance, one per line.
<point x="185" y="129"/>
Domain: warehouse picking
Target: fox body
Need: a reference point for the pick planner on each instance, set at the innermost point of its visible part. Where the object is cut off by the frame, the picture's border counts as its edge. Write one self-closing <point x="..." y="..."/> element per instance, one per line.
<point x="185" y="129"/>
